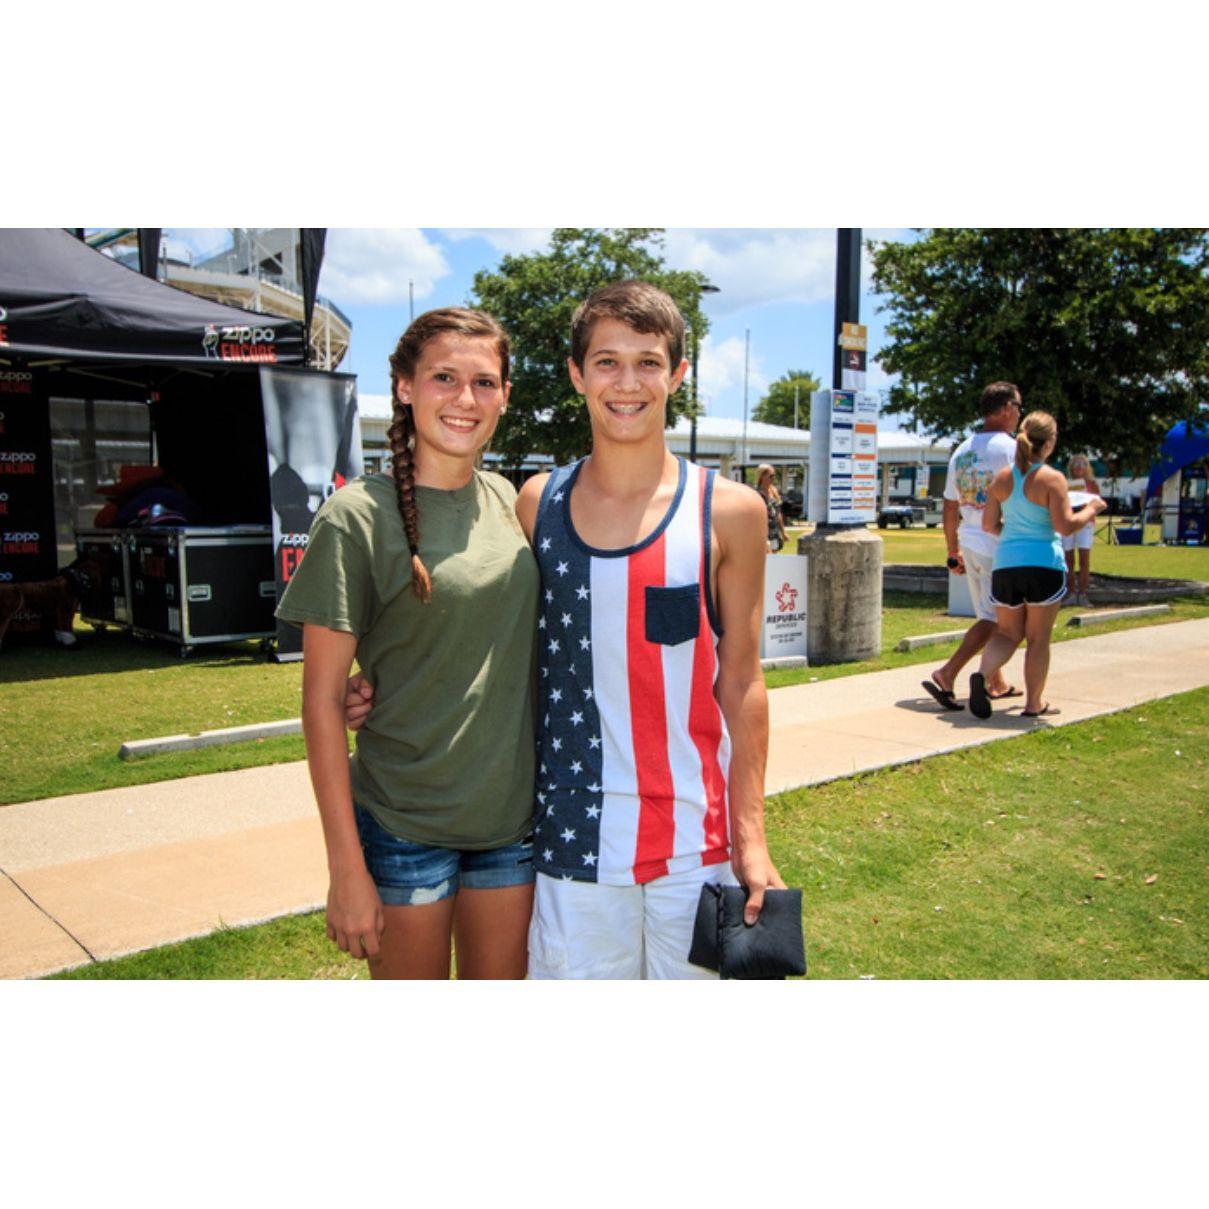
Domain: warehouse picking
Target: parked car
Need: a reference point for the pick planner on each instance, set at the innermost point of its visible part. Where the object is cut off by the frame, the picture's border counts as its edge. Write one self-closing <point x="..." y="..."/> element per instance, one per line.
<point x="901" y="515"/>
<point x="928" y="511"/>
<point x="791" y="505"/>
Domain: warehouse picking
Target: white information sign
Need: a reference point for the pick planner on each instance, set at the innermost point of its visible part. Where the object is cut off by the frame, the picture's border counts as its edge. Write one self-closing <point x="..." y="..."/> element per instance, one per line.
<point x="783" y="633"/>
<point x="852" y="473"/>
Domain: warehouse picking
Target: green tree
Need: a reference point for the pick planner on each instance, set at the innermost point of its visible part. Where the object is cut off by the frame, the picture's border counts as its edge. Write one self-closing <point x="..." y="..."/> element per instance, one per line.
<point x="534" y="297"/>
<point x="777" y="406"/>
<point x="1108" y="329"/>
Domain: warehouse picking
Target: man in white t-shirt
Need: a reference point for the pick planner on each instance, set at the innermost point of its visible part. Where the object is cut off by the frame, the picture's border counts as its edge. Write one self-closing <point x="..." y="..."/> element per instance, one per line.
<point x="973" y="465"/>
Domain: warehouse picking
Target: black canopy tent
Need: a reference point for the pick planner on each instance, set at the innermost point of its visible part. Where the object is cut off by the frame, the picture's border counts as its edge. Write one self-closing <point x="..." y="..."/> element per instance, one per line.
<point x="223" y="389"/>
<point x="65" y="300"/>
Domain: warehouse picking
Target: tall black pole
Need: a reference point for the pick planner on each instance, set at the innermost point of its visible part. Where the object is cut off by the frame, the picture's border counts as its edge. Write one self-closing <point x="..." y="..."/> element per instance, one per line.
<point x="692" y="428"/>
<point x="847" y="294"/>
<point x="149" y="250"/>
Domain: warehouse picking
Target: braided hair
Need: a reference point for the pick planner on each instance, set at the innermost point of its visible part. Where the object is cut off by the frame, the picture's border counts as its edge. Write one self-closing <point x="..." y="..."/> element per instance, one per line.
<point x="401" y="435"/>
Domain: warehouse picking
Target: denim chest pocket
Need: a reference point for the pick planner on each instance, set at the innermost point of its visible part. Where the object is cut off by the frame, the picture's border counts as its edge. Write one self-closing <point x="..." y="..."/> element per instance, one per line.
<point x="673" y="615"/>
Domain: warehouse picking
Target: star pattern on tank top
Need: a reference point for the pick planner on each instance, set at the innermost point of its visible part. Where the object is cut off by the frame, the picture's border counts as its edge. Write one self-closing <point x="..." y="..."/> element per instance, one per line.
<point x="571" y="741"/>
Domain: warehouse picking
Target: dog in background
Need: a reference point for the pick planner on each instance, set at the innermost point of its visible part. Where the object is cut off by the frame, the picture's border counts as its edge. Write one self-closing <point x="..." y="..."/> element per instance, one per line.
<point x="58" y="598"/>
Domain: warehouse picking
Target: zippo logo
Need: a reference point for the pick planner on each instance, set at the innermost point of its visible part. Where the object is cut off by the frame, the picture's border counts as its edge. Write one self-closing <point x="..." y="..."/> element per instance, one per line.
<point x="20" y="543"/>
<point x="14" y="382"/>
<point x="239" y="343"/>
<point x="18" y="463"/>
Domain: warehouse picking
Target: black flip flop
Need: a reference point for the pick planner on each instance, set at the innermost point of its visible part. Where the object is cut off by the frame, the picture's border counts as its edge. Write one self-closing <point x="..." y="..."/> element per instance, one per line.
<point x="980" y="702"/>
<point x="943" y="697"/>
<point x="1010" y="691"/>
<point x="1045" y="711"/>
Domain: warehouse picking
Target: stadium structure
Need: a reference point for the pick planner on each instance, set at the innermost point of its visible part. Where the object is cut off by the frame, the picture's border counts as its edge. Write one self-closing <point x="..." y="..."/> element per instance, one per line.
<point x="258" y="272"/>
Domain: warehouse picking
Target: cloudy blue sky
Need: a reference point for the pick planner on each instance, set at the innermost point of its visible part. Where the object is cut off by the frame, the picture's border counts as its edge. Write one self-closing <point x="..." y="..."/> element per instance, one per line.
<point x="778" y="283"/>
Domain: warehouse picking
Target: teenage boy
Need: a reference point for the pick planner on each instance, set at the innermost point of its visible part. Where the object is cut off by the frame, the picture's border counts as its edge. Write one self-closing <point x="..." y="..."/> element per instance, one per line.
<point x="653" y="714"/>
<point x="974" y="463"/>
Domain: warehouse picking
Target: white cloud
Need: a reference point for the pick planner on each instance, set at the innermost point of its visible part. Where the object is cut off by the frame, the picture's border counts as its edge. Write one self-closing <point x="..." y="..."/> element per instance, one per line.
<point x="752" y="267"/>
<point x="375" y="265"/>
<point x="721" y="366"/>
<point x="516" y="240"/>
<point x="900" y="234"/>
<point x="877" y="378"/>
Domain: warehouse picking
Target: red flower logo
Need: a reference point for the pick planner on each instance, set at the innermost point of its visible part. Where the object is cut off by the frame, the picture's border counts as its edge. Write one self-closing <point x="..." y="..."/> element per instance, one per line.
<point x="787" y="598"/>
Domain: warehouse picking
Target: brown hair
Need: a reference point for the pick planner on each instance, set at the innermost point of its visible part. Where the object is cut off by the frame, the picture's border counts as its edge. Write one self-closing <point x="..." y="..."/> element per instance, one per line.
<point x="1036" y="429"/>
<point x="997" y="395"/>
<point x="637" y="304"/>
<point x="403" y="361"/>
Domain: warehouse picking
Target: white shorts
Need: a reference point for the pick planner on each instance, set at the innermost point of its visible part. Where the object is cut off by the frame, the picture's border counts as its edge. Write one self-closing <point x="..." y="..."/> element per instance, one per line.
<point x="978" y="576"/>
<point x="1082" y="540"/>
<point x="586" y="930"/>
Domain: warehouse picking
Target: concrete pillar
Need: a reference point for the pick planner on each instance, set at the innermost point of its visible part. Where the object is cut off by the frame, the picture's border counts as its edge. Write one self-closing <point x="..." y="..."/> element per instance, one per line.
<point x="844" y="601"/>
<point x="724" y="463"/>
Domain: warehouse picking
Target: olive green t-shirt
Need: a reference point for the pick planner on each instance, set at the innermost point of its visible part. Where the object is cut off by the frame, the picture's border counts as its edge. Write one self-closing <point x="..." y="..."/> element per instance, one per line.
<point x="446" y="754"/>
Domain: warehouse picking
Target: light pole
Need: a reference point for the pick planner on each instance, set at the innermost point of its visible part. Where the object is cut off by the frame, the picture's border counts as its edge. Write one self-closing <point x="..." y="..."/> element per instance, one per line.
<point x="705" y="288"/>
<point x="746" y="365"/>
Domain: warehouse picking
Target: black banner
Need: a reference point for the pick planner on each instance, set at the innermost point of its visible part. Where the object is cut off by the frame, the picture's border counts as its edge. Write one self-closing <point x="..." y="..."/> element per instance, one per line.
<point x="311" y="241"/>
<point x="313" y="438"/>
<point x="149" y="251"/>
<point x="27" y="504"/>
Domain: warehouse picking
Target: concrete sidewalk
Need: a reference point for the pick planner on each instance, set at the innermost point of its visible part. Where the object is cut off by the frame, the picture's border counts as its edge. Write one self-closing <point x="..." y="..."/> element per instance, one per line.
<point x="97" y="875"/>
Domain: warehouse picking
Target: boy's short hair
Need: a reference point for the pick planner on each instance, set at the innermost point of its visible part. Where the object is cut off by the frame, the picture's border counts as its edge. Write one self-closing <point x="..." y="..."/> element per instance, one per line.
<point x="637" y="304"/>
<point x="998" y="395"/>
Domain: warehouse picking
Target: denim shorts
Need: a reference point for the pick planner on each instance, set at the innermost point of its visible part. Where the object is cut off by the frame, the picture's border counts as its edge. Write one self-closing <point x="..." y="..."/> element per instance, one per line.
<point x="408" y="874"/>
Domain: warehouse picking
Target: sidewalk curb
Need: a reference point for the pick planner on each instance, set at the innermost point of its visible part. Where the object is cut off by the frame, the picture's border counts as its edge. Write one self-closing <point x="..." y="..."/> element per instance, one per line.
<point x="209" y="738"/>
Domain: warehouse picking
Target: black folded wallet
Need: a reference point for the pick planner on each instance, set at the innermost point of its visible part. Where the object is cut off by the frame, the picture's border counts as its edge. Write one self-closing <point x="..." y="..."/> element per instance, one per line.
<point x="772" y="947"/>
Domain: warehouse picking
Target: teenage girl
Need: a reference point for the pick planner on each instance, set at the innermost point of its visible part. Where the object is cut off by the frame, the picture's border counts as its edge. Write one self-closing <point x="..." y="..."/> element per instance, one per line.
<point x="1028" y="577"/>
<point x="424" y="576"/>
<point x="1079" y="478"/>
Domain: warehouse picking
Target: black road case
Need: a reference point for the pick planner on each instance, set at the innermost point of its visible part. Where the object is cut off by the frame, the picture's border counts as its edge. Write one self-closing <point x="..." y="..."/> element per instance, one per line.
<point x="104" y="578"/>
<point x="198" y="586"/>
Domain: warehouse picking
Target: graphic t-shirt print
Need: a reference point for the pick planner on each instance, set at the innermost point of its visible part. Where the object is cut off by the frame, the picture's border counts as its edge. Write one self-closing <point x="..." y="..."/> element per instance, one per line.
<point x="973" y="477"/>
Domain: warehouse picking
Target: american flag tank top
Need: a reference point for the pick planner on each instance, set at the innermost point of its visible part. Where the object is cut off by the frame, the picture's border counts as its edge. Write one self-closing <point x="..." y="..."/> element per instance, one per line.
<point x="633" y="751"/>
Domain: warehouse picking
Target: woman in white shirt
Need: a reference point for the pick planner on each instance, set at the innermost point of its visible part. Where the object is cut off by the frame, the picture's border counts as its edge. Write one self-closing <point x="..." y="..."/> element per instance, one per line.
<point x="1079" y="478"/>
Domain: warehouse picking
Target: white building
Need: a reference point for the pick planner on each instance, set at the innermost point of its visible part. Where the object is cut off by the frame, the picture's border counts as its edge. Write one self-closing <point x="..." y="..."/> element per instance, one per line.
<point x="908" y="465"/>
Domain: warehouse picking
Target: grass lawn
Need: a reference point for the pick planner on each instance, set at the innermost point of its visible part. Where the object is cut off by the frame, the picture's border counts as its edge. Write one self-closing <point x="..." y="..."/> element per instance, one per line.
<point x="63" y="714"/>
<point x="85" y="704"/>
<point x="906" y="614"/>
<point x="1080" y="852"/>
<point x="1163" y="562"/>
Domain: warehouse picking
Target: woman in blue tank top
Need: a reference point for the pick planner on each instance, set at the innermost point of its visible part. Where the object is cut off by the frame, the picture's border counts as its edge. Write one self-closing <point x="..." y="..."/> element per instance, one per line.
<point x="1028" y="505"/>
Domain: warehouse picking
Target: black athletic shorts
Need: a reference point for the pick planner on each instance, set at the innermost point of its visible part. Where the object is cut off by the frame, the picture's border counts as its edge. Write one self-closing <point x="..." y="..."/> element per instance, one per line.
<point x="1014" y="587"/>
